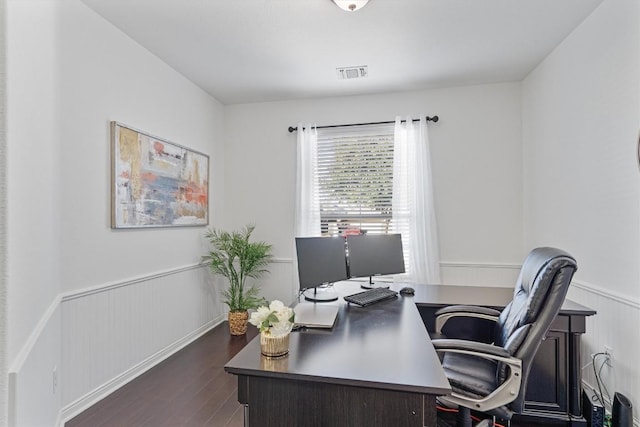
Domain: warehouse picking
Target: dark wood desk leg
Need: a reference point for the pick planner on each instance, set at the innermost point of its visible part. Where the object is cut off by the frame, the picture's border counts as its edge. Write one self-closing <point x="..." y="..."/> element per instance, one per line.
<point x="577" y="328"/>
<point x="430" y="413"/>
<point x="243" y="396"/>
<point x="575" y="376"/>
<point x="243" y="389"/>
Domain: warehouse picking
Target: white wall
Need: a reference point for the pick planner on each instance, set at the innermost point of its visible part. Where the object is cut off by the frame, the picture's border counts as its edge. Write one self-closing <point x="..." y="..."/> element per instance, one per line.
<point x="32" y="168"/>
<point x="33" y="215"/>
<point x="581" y="110"/>
<point x="3" y="220"/>
<point x="76" y="285"/>
<point x="66" y="82"/>
<point x="477" y="163"/>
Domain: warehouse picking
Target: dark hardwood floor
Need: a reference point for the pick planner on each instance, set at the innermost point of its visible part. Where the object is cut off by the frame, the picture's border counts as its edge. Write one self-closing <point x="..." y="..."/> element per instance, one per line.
<point x="190" y="388"/>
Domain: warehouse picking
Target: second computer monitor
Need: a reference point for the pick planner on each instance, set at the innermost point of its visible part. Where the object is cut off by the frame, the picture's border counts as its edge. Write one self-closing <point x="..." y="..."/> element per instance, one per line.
<point x="374" y="255"/>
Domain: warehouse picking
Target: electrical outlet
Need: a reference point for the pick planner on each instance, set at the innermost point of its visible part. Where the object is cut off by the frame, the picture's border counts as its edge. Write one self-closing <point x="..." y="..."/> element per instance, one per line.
<point x="609" y="352"/>
<point x="55" y="379"/>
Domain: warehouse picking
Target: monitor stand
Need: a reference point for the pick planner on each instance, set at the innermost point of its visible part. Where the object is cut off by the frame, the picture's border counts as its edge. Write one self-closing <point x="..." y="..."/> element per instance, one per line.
<point x="312" y="294"/>
<point x="372" y="285"/>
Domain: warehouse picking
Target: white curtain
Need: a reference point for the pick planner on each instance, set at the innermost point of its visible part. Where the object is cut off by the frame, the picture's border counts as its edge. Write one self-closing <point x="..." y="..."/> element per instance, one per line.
<point x="307" y="213"/>
<point x="412" y="204"/>
<point x="307" y="202"/>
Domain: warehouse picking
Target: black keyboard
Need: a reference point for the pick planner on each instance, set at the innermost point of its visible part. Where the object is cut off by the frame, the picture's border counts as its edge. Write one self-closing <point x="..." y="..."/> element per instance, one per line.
<point x="370" y="296"/>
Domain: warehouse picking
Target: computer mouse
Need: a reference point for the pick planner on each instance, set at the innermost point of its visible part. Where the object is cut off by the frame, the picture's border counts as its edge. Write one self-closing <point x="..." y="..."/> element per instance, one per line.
<point x="407" y="290"/>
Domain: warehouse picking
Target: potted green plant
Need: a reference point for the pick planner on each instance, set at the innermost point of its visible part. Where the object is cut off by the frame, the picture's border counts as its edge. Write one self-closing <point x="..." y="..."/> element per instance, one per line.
<point x="234" y="257"/>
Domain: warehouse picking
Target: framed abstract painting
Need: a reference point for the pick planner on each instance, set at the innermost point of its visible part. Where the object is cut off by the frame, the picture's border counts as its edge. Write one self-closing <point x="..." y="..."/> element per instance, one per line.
<point x="156" y="183"/>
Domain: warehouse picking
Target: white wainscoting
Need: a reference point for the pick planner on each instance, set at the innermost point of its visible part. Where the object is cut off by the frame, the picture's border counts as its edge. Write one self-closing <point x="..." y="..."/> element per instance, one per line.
<point x="616" y="325"/>
<point x="109" y="334"/>
<point x="115" y="332"/>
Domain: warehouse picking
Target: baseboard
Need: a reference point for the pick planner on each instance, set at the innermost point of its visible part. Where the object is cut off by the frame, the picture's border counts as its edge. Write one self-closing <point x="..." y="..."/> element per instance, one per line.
<point x="99" y="393"/>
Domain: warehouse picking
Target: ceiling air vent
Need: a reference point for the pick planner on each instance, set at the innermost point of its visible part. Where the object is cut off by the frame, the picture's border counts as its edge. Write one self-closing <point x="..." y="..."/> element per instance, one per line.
<point x="347" y="73"/>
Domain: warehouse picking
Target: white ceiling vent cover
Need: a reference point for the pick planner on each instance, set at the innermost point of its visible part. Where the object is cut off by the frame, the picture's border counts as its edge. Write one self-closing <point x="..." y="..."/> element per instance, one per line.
<point x="348" y="73"/>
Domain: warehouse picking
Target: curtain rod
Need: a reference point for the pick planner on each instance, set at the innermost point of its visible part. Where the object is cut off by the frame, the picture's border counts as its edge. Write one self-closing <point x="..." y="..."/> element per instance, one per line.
<point x="433" y="119"/>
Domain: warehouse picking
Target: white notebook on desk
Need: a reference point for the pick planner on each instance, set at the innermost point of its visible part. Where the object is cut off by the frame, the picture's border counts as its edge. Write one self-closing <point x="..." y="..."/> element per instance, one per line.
<point x="315" y="315"/>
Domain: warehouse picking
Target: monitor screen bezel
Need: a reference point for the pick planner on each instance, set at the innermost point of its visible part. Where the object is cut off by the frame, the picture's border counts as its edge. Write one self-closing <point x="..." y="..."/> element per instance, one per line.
<point x="375" y="255"/>
<point x="321" y="260"/>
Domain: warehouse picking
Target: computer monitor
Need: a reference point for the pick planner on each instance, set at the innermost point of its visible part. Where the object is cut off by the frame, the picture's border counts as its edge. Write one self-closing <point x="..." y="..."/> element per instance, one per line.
<point x="321" y="261"/>
<point x="374" y="255"/>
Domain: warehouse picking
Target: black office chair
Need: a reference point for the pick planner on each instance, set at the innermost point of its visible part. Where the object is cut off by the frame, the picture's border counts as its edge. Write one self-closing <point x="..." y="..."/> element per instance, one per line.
<point x="492" y="378"/>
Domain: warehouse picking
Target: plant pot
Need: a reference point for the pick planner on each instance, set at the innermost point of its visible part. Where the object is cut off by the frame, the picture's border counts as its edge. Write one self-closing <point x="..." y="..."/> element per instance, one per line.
<point x="274" y="346"/>
<point x="238" y="322"/>
<point x="274" y="364"/>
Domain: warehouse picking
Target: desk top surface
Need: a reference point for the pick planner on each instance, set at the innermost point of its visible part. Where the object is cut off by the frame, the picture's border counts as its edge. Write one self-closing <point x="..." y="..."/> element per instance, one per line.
<point x="498" y="297"/>
<point x="385" y="346"/>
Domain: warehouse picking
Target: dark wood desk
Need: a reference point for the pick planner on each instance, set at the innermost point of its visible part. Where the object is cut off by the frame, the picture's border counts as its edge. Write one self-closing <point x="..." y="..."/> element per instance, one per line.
<point x="377" y="364"/>
<point x="555" y="382"/>
<point x="376" y="367"/>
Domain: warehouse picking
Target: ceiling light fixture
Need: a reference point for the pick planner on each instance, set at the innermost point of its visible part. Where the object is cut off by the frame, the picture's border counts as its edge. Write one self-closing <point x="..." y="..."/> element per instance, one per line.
<point x="350" y="5"/>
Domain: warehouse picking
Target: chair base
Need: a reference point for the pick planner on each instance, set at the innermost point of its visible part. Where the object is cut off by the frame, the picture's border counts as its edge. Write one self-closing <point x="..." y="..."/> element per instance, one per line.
<point x="464" y="419"/>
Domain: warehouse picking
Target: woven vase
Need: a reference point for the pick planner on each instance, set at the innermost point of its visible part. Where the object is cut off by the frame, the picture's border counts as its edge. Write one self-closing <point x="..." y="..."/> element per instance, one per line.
<point x="238" y="322"/>
<point x="274" y="346"/>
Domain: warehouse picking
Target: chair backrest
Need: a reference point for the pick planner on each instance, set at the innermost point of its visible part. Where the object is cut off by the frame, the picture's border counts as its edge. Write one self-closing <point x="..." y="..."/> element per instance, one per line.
<point x="537" y="298"/>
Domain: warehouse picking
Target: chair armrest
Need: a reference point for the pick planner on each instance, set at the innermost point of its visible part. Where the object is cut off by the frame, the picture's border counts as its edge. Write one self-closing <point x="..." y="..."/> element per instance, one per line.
<point x="446" y="313"/>
<point x="471" y="347"/>
<point x="506" y="393"/>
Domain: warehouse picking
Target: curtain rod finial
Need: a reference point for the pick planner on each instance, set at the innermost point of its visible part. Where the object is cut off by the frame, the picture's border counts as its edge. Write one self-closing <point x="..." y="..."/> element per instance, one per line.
<point x="292" y="129"/>
<point x="433" y="119"/>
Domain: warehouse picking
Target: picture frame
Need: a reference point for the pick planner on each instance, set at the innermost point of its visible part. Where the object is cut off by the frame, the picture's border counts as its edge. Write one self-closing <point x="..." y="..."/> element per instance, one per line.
<point x="155" y="182"/>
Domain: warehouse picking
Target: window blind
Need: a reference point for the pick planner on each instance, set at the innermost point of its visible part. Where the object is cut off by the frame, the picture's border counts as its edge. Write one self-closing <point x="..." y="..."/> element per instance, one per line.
<point x="355" y="178"/>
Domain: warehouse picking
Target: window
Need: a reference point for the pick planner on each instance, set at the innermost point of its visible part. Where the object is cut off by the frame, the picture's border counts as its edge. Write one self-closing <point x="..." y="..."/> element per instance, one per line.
<point x="355" y="179"/>
<point x="371" y="178"/>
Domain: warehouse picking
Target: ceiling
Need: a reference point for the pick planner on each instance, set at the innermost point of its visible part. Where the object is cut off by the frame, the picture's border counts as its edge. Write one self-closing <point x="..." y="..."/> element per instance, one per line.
<point x="243" y="51"/>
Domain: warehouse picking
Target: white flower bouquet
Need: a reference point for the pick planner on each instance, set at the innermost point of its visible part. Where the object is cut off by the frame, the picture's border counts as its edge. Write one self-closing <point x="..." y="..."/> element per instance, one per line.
<point x="275" y="320"/>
